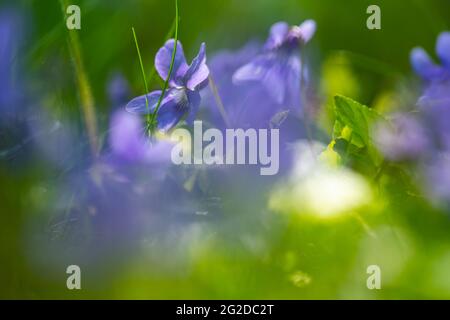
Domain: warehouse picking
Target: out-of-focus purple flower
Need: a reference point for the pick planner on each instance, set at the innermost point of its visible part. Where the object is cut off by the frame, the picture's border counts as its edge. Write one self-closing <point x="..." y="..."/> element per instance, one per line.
<point x="129" y="143"/>
<point x="438" y="178"/>
<point x="185" y="81"/>
<point x="9" y="37"/>
<point x="426" y="68"/>
<point x="434" y="106"/>
<point x="403" y="139"/>
<point x="246" y="105"/>
<point x="118" y="90"/>
<point x="435" y="101"/>
<point x="278" y="68"/>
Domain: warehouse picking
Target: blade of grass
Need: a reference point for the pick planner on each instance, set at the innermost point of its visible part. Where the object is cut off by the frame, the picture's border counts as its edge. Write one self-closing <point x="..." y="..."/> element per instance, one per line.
<point x="219" y="102"/>
<point x="166" y="82"/>
<point x="142" y="70"/>
<point x="86" y="97"/>
<point x="153" y="70"/>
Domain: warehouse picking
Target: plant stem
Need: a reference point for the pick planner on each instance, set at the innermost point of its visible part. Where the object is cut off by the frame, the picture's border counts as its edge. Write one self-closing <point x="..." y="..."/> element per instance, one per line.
<point x="153" y="70"/>
<point x="142" y="70"/>
<point x="86" y="97"/>
<point x="219" y="102"/>
<point x="166" y="82"/>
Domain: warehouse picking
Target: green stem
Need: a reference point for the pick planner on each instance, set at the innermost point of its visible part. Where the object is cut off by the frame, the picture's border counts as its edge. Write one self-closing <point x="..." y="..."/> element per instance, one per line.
<point x="380" y="171"/>
<point x="219" y="102"/>
<point x="152" y="73"/>
<point x="86" y="97"/>
<point x="365" y="225"/>
<point x="166" y="82"/>
<point x="142" y="70"/>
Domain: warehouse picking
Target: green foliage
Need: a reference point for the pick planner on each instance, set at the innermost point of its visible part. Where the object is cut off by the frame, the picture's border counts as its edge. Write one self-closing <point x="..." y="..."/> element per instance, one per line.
<point x="353" y="125"/>
<point x="353" y="121"/>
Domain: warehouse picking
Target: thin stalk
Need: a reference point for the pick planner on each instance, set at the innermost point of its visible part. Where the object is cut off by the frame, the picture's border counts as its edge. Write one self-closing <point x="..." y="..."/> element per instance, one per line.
<point x="166" y="82"/>
<point x="365" y="225"/>
<point x="143" y="72"/>
<point x="86" y="97"/>
<point x="153" y="70"/>
<point x="219" y="102"/>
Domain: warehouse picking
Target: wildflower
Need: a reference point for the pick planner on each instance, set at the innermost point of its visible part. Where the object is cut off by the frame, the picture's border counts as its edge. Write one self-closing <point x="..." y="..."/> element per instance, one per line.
<point x="10" y="36"/>
<point x="279" y="68"/>
<point x="434" y="105"/>
<point x="403" y="139"/>
<point x="425" y="67"/>
<point x="182" y="96"/>
<point x="438" y="179"/>
<point x="435" y="101"/>
<point x="239" y="100"/>
<point x="128" y="142"/>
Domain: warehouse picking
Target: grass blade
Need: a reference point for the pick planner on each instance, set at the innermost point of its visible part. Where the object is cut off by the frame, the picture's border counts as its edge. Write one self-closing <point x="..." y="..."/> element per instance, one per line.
<point x="166" y="82"/>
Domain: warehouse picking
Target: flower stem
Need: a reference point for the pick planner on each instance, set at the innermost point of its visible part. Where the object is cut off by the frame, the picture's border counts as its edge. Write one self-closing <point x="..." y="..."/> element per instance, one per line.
<point x="153" y="70"/>
<point x="365" y="225"/>
<point x="219" y="102"/>
<point x="166" y="82"/>
<point x="142" y="70"/>
<point x="86" y="97"/>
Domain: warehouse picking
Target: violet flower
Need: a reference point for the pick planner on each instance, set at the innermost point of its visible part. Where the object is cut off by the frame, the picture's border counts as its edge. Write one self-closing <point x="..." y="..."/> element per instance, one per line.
<point x="402" y="140"/>
<point x="434" y="106"/>
<point x="241" y="100"/>
<point x="182" y="96"/>
<point x="279" y="67"/>
<point x="10" y="34"/>
<point x="426" y="68"/>
<point x="438" y="179"/>
<point x="435" y="101"/>
<point x="129" y="144"/>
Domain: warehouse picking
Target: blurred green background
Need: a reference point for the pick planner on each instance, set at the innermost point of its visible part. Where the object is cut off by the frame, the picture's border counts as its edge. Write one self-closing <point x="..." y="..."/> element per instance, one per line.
<point x="289" y="257"/>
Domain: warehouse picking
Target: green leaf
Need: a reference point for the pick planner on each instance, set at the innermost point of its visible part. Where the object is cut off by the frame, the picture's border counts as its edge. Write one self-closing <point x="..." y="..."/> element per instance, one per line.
<point x="353" y="121"/>
<point x="353" y="124"/>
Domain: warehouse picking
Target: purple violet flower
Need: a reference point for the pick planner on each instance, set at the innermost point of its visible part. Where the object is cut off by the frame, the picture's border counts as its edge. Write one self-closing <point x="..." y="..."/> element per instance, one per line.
<point x="278" y="68"/>
<point x="438" y="179"/>
<point x="403" y="139"/>
<point x="182" y="96"/>
<point x="10" y="34"/>
<point x="434" y="106"/>
<point x="129" y="144"/>
<point x="426" y="68"/>
<point x="435" y="101"/>
<point x="241" y="100"/>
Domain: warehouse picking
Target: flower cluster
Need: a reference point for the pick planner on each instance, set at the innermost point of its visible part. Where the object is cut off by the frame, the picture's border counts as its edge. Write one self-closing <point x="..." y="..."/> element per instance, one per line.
<point x="267" y="78"/>
<point x="425" y="134"/>
<point x="259" y="82"/>
<point x="278" y="68"/>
